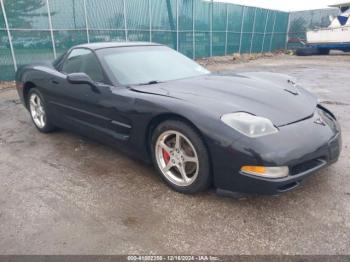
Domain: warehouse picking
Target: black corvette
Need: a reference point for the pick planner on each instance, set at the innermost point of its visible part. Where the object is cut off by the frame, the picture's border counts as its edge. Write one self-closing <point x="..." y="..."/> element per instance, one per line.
<point x="247" y="132"/>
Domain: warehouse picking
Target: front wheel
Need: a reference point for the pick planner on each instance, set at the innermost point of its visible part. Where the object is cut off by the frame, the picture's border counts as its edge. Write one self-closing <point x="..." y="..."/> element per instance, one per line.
<point x="181" y="157"/>
<point x="38" y="112"/>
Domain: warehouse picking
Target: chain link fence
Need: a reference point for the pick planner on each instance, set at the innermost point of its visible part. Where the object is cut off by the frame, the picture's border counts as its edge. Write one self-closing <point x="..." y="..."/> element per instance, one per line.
<point x="302" y="21"/>
<point x="39" y="30"/>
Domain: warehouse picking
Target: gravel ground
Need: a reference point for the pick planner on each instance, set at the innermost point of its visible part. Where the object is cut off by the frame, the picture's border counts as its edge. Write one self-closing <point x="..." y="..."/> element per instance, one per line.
<point x="6" y="84"/>
<point x="63" y="194"/>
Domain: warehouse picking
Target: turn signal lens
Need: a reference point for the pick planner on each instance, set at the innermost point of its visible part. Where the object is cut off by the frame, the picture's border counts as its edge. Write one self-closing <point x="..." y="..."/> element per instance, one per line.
<point x="268" y="172"/>
<point x="254" y="169"/>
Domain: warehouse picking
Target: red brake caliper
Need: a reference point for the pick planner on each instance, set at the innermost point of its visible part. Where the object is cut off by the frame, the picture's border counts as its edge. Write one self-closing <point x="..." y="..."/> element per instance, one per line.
<point x="166" y="156"/>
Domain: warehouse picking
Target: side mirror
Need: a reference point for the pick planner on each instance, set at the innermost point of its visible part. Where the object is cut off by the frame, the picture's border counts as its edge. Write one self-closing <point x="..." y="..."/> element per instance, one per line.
<point x="80" y="78"/>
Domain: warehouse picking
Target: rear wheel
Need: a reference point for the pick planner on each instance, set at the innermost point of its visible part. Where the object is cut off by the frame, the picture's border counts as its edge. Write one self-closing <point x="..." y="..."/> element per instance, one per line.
<point x="37" y="109"/>
<point x="180" y="157"/>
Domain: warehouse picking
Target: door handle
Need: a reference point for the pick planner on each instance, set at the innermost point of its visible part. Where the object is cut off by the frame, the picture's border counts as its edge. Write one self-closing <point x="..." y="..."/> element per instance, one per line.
<point x="53" y="81"/>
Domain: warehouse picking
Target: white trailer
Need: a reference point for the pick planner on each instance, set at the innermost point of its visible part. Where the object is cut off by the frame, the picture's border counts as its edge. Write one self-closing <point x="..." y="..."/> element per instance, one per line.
<point x="334" y="37"/>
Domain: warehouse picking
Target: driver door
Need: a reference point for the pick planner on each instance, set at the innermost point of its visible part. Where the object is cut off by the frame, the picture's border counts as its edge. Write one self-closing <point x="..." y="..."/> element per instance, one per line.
<point x="78" y="106"/>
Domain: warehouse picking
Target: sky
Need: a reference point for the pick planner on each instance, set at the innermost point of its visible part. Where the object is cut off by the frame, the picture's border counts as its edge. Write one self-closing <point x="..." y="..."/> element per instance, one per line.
<point x="287" y="5"/>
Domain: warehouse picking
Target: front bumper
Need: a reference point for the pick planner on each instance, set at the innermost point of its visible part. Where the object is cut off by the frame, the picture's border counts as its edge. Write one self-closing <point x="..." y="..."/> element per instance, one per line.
<point x="305" y="147"/>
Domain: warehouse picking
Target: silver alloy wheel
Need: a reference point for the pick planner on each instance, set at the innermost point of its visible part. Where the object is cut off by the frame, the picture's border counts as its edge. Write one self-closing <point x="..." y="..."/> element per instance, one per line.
<point x="177" y="158"/>
<point x="37" y="111"/>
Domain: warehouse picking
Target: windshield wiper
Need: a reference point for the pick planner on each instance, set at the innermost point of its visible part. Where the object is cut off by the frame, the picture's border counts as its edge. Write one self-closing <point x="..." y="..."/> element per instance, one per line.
<point x="153" y="82"/>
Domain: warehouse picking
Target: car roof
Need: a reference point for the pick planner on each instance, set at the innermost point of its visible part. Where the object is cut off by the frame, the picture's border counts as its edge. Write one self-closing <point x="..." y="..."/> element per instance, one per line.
<point x="101" y="45"/>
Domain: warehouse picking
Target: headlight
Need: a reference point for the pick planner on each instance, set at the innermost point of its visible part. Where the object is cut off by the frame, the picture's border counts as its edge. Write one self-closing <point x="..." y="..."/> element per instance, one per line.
<point x="249" y="125"/>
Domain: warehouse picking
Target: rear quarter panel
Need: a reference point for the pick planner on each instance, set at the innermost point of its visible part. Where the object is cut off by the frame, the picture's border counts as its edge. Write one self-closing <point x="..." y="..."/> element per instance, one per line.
<point x="32" y="75"/>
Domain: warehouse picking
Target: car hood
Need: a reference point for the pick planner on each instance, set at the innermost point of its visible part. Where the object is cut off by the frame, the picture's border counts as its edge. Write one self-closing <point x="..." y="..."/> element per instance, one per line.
<point x="269" y="95"/>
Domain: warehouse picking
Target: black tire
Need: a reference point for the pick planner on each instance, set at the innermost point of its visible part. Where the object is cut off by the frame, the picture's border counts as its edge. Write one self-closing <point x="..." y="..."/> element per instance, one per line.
<point x="324" y="51"/>
<point x="307" y="51"/>
<point x="203" y="179"/>
<point x="49" y="126"/>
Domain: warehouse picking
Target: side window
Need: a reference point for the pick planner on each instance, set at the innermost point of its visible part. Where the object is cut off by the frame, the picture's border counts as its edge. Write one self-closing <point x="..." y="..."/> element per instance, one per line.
<point x="82" y="60"/>
<point x="73" y="63"/>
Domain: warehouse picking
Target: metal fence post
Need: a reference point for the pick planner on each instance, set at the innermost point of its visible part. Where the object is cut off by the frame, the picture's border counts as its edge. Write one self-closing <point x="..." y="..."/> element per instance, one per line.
<point x="211" y="26"/>
<point x="86" y="22"/>
<point x="251" y="41"/>
<point x="193" y="33"/>
<point x="287" y="32"/>
<point x="226" y="29"/>
<point x="9" y="35"/>
<point x="125" y="23"/>
<point x="240" y="39"/>
<point x="177" y="25"/>
<point x="263" y="42"/>
<point x="150" y="20"/>
<point x="51" y="30"/>
<point x="273" y="29"/>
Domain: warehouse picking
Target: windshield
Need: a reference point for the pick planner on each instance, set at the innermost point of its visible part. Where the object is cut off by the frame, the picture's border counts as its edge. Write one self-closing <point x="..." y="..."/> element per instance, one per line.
<point x="148" y="64"/>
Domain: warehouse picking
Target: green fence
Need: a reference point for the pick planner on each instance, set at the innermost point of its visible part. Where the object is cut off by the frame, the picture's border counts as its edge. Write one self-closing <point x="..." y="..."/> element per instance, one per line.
<point x="39" y="30"/>
<point x="302" y="21"/>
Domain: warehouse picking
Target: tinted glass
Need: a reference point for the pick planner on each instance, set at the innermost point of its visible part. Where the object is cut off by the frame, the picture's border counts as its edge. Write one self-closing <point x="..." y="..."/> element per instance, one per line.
<point x="83" y="61"/>
<point x="140" y="65"/>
